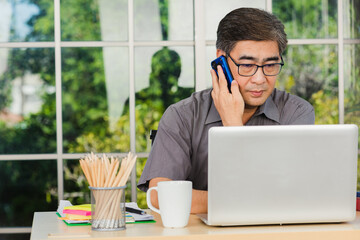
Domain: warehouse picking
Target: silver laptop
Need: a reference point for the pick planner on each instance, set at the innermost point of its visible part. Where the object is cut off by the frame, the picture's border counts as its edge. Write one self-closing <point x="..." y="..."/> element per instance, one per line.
<point x="282" y="174"/>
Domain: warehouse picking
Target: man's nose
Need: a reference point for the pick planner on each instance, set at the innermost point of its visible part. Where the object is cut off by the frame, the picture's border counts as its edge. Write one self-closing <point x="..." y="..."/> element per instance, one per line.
<point x="258" y="77"/>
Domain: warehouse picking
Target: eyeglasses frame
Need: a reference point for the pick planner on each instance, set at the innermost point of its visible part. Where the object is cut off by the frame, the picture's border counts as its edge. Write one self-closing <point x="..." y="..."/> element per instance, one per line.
<point x="257" y="67"/>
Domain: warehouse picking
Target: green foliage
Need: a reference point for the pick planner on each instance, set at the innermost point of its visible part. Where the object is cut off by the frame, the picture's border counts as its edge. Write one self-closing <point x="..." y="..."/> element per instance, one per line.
<point x="307" y="18"/>
<point x="5" y="91"/>
<point x="24" y="189"/>
<point x="326" y="108"/>
<point x="75" y="184"/>
<point x="84" y="94"/>
<point x="42" y="24"/>
<point x="141" y="201"/>
<point x="80" y="20"/>
<point x="309" y="70"/>
<point x="354" y="13"/>
<point x="352" y="82"/>
<point x="37" y="132"/>
<point x="164" y="18"/>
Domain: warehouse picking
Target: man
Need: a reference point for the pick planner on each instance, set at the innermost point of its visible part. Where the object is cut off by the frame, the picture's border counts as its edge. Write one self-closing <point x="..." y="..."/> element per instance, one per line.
<point x="252" y="41"/>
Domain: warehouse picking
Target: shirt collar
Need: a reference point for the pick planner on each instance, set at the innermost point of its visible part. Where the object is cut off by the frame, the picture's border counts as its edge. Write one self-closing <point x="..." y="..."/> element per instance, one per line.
<point x="213" y="115"/>
<point x="269" y="109"/>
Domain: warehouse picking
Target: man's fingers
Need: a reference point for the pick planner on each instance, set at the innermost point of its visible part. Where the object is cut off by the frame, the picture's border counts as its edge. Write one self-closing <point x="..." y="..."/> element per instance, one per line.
<point x="222" y="80"/>
<point x="235" y="88"/>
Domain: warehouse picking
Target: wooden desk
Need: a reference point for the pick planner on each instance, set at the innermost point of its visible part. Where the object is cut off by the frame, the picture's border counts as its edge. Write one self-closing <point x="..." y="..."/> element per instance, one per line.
<point x="45" y="223"/>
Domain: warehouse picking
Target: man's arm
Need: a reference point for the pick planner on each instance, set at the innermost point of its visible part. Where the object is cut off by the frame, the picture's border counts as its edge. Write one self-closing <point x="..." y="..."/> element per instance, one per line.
<point x="199" y="198"/>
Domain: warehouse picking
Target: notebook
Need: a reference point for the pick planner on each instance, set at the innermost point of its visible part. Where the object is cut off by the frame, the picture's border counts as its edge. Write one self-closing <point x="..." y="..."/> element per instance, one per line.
<point x="282" y="174"/>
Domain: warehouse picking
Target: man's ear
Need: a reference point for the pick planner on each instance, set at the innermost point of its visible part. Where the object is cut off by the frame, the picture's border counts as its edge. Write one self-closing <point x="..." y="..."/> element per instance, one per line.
<point x="220" y="53"/>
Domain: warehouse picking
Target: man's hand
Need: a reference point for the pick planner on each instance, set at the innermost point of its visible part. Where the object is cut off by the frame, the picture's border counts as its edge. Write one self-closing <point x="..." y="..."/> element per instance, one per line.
<point x="153" y="195"/>
<point x="199" y="198"/>
<point x="230" y="106"/>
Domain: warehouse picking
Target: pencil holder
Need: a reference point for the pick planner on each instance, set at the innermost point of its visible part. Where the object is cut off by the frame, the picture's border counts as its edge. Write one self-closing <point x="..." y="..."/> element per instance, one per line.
<point x="108" y="208"/>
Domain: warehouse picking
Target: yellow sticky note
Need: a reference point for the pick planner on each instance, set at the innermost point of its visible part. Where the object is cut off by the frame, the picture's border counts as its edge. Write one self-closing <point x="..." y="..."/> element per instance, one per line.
<point x="84" y="207"/>
<point x="77" y="217"/>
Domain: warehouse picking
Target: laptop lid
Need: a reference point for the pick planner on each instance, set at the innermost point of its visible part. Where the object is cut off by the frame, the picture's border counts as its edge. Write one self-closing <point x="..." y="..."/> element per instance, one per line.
<point x="282" y="174"/>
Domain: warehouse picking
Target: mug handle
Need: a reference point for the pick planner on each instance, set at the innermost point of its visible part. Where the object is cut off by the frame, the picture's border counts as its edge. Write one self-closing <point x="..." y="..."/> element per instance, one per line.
<point x="148" y="200"/>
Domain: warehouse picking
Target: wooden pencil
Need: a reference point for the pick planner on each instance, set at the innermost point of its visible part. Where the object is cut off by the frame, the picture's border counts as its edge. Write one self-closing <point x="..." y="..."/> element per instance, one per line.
<point x="104" y="172"/>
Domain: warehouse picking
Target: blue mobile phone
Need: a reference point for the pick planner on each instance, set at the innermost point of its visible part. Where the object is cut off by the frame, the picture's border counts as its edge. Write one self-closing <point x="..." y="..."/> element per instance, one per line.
<point x="222" y="62"/>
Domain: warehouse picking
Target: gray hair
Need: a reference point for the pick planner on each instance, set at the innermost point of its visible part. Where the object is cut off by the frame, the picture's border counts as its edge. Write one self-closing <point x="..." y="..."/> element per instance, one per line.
<point x="250" y="24"/>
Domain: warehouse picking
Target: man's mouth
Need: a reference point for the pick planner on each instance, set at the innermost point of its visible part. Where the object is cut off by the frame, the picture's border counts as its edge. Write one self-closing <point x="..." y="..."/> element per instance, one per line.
<point x="256" y="93"/>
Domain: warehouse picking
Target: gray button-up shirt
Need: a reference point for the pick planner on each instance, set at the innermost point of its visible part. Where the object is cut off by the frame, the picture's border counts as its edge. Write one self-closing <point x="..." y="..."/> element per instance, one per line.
<point x="180" y="150"/>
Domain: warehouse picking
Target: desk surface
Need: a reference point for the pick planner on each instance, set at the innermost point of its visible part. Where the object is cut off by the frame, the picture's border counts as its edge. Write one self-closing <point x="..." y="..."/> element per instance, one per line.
<point x="46" y="225"/>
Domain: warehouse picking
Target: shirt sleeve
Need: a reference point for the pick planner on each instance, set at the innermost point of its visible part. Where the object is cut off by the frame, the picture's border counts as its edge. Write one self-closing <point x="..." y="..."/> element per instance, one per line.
<point x="171" y="152"/>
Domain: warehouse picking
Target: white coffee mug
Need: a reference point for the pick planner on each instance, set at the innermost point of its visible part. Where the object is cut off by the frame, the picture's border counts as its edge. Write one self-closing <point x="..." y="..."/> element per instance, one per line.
<point x="174" y="202"/>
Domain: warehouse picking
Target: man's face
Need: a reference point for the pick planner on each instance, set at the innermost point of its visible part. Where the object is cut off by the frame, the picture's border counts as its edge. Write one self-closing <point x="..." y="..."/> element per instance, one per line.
<point x="257" y="88"/>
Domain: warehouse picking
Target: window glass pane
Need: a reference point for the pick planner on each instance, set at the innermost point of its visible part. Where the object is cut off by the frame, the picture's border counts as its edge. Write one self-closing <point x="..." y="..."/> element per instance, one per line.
<point x="76" y="188"/>
<point x="215" y="10"/>
<point x="210" y="56"/>
<point x="26" y="187"/>
<point x="94" y="20"/>
<point x="311" y="72"/>
<point x="351" y="18"/>
<point x="26" y="21"/>
<point x="95" y="83"/>
<point x="27" y="101"/>
<point x="141" y="196"/>
<point x="157" y="20"/>
<point x="352" y="84"/>
<point x="308" y="18"/>
<point x="163" y="76"/>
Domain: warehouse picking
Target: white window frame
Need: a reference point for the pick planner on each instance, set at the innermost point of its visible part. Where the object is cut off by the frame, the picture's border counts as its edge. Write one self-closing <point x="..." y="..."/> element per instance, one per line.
<point x="199" y="43"/>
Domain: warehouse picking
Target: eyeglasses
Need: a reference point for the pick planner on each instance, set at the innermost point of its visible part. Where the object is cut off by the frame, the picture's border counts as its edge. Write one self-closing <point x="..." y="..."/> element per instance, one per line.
<point x="248" y="70"/>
